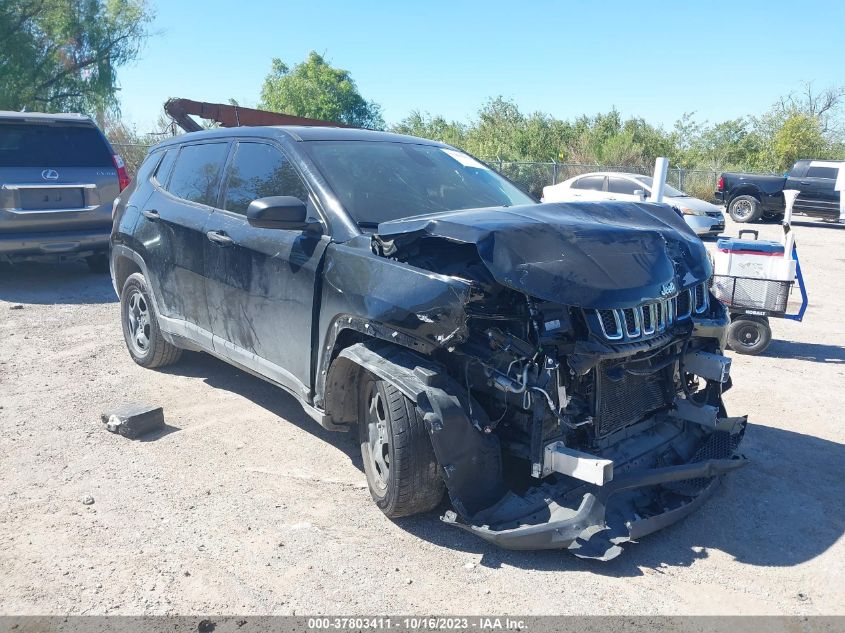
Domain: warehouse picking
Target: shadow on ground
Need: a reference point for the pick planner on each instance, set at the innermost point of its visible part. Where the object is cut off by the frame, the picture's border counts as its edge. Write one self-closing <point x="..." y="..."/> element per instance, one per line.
<point x="781" y="510"/>
<point x="50" y="284"/>
<point x="813" y="352"/>
<point x="817" y="225"/>
<point x="220" y="375"/>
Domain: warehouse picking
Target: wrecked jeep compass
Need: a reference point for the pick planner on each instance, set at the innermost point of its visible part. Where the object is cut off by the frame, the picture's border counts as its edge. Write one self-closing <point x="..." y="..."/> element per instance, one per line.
<point x="557" y="368"/>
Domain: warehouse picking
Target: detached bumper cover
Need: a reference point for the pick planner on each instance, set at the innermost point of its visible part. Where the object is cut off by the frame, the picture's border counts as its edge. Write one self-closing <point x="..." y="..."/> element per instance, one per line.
<point x="605" y="517"/>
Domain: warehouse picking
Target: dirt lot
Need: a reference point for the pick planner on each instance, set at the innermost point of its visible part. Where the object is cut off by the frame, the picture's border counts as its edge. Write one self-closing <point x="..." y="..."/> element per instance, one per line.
<point x="245" y="505"/>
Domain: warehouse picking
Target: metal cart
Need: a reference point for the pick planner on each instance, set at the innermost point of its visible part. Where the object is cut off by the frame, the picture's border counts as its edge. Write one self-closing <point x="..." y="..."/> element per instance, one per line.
<point x="752" y="301"/>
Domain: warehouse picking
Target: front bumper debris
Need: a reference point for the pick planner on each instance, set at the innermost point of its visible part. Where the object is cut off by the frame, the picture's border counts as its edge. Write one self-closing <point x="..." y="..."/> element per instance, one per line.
<point x="623" y="510"/>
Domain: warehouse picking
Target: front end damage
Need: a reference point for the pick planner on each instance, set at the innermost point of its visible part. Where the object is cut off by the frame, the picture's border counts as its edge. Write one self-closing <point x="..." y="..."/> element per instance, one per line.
<point x="583" y="406"/>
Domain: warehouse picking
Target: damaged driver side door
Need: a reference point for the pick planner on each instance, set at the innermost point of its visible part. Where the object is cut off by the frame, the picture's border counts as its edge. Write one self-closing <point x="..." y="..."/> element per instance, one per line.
<point x="261" y="281"/>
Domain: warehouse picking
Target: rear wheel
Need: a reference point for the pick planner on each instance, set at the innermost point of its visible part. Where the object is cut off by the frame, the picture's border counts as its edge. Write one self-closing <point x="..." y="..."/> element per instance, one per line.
<point x="143" y="337"/>
<point x="399" y="462"/>
<point x="748" y="334"/>
<point x="745" y="209"/>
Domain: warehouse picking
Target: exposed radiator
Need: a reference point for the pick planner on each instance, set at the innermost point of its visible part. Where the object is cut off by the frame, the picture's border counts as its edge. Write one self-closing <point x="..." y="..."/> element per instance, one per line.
<point x="622" y="398"/>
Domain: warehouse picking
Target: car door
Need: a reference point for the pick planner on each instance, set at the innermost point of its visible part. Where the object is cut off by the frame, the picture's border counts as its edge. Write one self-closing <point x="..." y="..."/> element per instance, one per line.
<point x="621" y="188"/>
<point x="261" y="282"/>
<point x="589" y="188"/>
<point x="797" y="180"/>
<point x="172" y="237"/>
<point x="817" y="193"/>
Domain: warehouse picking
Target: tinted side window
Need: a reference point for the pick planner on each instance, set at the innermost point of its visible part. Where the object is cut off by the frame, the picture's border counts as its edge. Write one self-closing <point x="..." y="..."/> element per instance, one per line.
<point x="257" y="171"/>
<point x="822" y="172"/>
<point x="596" y="183"/>
<point x="799" y="169"/>
<point x="165" y="166"/>
<point x="196" y="175"/>
<point x="622" y="185"/>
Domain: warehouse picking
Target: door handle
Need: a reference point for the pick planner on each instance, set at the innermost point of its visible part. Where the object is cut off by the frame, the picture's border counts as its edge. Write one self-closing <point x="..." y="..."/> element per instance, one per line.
<point x="804" y="182"/>
<point x="151" y="214"/>
<point x="219" y="238"/>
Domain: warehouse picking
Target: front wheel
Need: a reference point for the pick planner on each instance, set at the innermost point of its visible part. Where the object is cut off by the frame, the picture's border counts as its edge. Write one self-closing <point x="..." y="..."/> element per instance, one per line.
<point x="402" y="472"/>
<point x="143" y="337"/>
<point x="748" y="334"/>
<point x="745" y="209"/>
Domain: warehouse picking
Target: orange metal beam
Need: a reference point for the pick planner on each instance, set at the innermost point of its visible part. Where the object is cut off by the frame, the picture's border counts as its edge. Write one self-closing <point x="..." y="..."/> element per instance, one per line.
<point x="233" y="116"/>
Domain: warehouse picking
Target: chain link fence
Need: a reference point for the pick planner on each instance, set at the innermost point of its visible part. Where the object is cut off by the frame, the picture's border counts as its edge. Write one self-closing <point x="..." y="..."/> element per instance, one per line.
<point x="531" y="176"/>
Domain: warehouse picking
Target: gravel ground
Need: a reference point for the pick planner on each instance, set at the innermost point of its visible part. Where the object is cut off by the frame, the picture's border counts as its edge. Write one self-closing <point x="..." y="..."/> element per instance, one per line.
<point x="245" y="506"/>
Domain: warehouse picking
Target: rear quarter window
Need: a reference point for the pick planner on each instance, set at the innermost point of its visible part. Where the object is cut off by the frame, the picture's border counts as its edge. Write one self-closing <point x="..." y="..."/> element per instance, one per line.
<point x="165" y="166"/>
<point x="196" y="174"/>
<point x="46" y="145"/>
<point x="145" y="171"/>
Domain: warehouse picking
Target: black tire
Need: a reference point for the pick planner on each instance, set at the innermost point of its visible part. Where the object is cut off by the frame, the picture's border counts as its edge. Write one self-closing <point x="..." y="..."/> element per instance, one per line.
<point x="402" y="472"/>
<point x="748" y="334"/>
<point x="745" y="209"/>
<point x="138" y="318"/>
<point x="98" y="263"/>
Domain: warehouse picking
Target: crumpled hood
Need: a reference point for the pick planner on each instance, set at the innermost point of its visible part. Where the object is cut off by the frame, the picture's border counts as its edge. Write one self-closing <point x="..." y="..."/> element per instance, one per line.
<point x="587" y="254"/>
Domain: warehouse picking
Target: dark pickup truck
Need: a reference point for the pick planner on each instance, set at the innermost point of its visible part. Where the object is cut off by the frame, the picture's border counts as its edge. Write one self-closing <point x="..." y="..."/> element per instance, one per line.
<point x="750" y="197"/>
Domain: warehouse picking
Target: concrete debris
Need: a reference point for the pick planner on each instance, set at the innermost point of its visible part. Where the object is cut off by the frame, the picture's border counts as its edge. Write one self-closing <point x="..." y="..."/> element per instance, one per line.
<point x="133" y="420"/>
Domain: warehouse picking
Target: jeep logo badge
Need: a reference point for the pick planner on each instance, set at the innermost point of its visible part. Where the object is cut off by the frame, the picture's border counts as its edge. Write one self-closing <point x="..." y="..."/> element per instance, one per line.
<point x="50" y="174"/>
<point x="667" y="289"/>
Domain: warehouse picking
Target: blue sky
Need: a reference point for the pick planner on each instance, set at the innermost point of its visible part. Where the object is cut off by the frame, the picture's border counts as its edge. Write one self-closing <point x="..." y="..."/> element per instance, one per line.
<point x="651" y="59"/>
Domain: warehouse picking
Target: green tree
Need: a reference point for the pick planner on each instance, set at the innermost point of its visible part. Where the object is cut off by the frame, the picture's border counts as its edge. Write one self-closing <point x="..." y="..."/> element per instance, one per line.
<point x="726" y="145"/>
<point x="63" y="55"/>
<point x="317" y="90"/>
<point x="800" y="136"/>
<point x="435" y="128"/>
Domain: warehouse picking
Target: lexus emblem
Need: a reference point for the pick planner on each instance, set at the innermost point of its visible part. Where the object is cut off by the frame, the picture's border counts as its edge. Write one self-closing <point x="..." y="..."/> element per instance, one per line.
<point x="667" y="289"/>
<point x="50" y="174"/>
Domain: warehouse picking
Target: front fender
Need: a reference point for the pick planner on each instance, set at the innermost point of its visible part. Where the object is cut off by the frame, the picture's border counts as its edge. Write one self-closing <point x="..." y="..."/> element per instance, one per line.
<point x="471" y="461"/>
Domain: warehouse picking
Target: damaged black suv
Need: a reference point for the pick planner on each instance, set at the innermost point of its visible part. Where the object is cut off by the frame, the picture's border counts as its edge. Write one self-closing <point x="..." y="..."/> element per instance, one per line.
<point x="556" y="368"/>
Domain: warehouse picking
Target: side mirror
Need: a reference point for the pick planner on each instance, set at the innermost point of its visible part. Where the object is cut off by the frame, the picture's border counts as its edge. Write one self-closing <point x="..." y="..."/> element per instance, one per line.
<point x="278" y="212"/>
<point x="640" y="193"/>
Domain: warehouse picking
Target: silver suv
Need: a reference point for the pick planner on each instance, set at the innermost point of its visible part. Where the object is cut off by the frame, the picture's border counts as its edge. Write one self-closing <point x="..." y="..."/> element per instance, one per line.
<point x="58" y="179"/>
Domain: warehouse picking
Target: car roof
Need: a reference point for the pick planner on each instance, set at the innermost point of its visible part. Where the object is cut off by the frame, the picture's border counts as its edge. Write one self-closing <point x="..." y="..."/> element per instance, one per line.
<point x="301" y="133"/>
<point x="624" y="174"/>
<point x="44" y="117"/>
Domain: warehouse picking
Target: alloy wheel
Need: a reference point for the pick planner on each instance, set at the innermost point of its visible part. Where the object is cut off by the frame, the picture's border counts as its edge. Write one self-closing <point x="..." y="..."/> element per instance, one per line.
<point x="378" y="436"/>
<point x="138" y="320"/>
<point x="742" y="209"/>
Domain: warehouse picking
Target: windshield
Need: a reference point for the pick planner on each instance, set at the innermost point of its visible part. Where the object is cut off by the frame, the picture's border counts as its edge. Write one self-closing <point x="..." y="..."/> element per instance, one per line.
<point x="381" y="181"/>
<point x="668" y="190"/>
